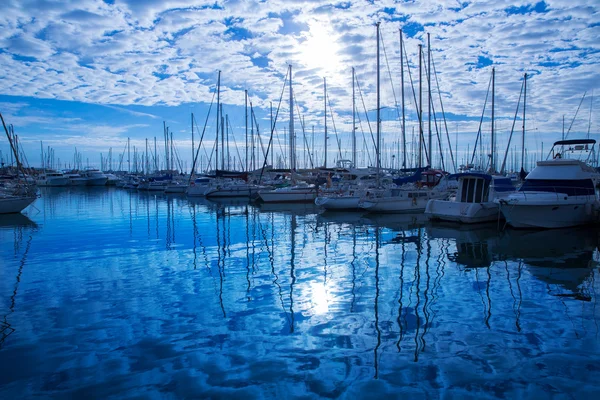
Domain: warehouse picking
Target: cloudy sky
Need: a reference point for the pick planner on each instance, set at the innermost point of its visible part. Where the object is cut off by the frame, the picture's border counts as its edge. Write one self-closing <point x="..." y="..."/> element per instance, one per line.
<point x="89" y="74"/>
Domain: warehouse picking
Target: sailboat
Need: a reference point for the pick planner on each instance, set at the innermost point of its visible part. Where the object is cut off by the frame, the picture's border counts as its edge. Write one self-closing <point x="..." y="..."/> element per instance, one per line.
<point x="478" y="192"/>
<point x="299" y="192"/>
<point x="15" y="195"/>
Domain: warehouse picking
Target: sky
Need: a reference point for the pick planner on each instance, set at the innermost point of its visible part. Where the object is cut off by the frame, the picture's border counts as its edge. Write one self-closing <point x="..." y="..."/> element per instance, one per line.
<point x="84" y="76"/>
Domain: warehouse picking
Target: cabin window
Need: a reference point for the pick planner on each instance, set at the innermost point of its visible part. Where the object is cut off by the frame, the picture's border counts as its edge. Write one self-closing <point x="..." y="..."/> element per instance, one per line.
<point x="579" y="187"/>
<point x="478" y="191"/>
<point x="470" y="190"/>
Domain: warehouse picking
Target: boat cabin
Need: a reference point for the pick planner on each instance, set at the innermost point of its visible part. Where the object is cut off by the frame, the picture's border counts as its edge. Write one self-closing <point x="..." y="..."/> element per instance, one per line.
<point x="476" y="187"/>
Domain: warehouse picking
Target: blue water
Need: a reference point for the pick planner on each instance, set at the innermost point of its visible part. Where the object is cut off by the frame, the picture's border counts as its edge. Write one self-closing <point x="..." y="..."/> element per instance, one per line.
<point x="108" y="293"/>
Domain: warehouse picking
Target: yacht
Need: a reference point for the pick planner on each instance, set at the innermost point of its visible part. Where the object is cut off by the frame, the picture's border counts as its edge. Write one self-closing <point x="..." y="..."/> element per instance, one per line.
<point x="15" y="198"/>
<point x="559" y="192"/>
<point x="474" y="201"/>
<point x="76" y="179"/>
<point x="225" y="187"/>
<point x="95" y="177"/>
<point x="52" y="178"/>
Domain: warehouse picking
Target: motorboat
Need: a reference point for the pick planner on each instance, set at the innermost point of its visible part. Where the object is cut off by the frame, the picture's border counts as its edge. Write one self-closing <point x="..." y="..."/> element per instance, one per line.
<point x="76" y="179"/>
<point x="559" y="192"/>
<point x="52" y="178"/>
<point x="95" y="177"/>
<point x="474" y="201"/>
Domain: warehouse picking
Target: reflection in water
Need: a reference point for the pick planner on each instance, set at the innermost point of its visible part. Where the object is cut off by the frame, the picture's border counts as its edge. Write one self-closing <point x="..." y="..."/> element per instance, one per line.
<point x="20" y="226"/>
<point x="230" y="299"/>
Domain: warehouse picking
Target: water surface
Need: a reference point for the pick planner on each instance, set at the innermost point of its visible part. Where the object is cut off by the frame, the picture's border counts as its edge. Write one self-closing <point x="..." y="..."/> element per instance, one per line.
<point x="109" y="293"/>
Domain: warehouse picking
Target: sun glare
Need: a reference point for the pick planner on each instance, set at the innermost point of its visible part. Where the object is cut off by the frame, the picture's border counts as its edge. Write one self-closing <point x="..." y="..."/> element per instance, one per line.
<point x="319" y="298"/>
<point x="320" y="50"/>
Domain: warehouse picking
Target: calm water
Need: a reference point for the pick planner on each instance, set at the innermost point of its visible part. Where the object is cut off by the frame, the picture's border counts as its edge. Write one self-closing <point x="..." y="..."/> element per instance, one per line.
<point x="110" y="293"/>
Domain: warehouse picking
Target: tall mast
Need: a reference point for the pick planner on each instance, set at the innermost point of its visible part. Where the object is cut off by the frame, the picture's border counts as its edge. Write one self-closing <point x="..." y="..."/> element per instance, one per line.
<point x="403" y="113"/>
<point x="420" y="108"/>
<point x="492" y="160"/>
<point x="155" y="154"/>
<point x="292" y="160"/>
<point x="523" y="139"/>
<point x="147" y="166"/>
<point x="353" y="122"/>
<point x="193" y="153"/>
<point x="218" y="121"/>
<point x="378" y="111"/>
<point x="227" y="126"/>
<point x="325" y="119"/>
<point x="272" y="129"/>
<point x="430" y="150"/>
<point x="252" y="156"/>
<point x="222" y="139"/>
<point x="128" y="156"/>
<point x="246" y="113"/>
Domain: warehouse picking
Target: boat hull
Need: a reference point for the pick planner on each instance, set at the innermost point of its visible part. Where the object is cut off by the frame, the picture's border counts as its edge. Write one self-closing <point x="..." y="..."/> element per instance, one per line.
<point x="338" y="202"/>
<point x="288" y="196"/>
<point x="465" y="213"/>
<point x="234" y="191"/>
<point x="549" y="211"/>
<point x="10" y="205"/>
<point x="100" y="181"/>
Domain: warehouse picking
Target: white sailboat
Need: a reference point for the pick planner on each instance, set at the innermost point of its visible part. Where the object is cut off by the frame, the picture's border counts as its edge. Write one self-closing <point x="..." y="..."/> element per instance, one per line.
<point x="299" y="192"/>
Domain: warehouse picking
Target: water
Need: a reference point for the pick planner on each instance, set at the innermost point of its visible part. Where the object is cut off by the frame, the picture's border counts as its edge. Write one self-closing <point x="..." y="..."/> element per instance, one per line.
<point x="107" y="293"/>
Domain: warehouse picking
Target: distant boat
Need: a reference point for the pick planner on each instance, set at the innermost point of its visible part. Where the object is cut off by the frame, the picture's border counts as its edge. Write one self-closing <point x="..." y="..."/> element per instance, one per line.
<point x="52" y="178"/>
<point x="557" y="193"/>
<point x="95" y="177"/>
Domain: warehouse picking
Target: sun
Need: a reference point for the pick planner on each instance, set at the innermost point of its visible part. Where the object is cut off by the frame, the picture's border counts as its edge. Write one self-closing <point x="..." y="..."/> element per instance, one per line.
<point x="320" y="50"/>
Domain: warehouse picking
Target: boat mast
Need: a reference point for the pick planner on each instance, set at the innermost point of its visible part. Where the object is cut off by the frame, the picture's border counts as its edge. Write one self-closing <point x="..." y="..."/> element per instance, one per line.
<point x="378" y="111"/>
<point x="523" y="138"/>
<point x="292" y="160"/>
<point x="430" y="147"/>
<point x="420" y="108"/>
<point x="218" y="121"/>
<point x="325" y="119"/>
<point x="353" y="122"/>
<point x="492" y="165"/>
<point x="403" y="113"/>
<point x="128" y="156"/>
<point x="193" y="155"/>
<point x="222" y="139"/>
<point x="246" y="113"/>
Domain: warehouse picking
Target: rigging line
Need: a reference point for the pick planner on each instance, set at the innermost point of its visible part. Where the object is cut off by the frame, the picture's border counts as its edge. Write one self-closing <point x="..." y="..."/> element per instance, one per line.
<point x="334" y="129"/>
<point x="237" y="150"/>
<point x="364" y="137"/>
<point x="512" y="130"/>
<point x="262" y="146"/>
<point x="575" y="116"/>
<point x="202" y="137"/>
<point x="481" y="121"/>
<point x="390" y="74"/>
<point x="306" y="146"/>
<point x="366" y="113"/>
<point x="437" y="133"/>
<point x="590" y="117"/>
<point x="443" y="114"/>
<point x="262" y="170"/>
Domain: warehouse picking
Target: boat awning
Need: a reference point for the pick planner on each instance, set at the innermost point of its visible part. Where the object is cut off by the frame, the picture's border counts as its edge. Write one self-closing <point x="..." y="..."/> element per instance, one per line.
<point x="574" y="141"/>
<point x="471" y="175"/>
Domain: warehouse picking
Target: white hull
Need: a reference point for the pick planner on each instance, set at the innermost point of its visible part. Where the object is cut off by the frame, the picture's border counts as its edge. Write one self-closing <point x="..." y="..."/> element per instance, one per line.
<point x="466" y="213"/>
<point x="100" y="181"/>
<point x="288" y="195"/>
<point x="78" y="182"/>
<point x="197" y="190"/>
<point x="231" y="191"/>
<point x="338" y="202"/>
<point x="403" y="202"/>
<point x="16" y="204"/>
<point x="547" y="210"/>
<point x="53" y="182"/>
<point x="175" y="189"/>
<point x="156" y="188"/>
